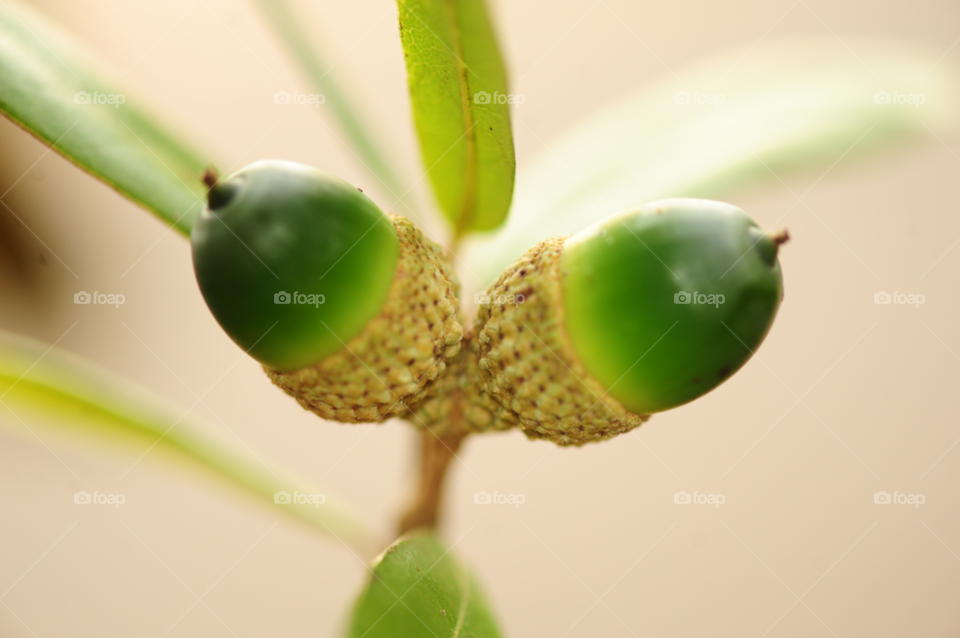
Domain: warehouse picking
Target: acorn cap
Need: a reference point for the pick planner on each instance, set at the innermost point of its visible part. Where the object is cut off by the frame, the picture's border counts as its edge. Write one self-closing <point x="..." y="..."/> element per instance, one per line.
<point x="526" y="363"/>
<point x="392" y="365"/>
<point x="293" y="262"/>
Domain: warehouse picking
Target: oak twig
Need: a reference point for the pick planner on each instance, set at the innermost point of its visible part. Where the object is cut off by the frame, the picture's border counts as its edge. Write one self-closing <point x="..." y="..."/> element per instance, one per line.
<point x="435" y="456"/>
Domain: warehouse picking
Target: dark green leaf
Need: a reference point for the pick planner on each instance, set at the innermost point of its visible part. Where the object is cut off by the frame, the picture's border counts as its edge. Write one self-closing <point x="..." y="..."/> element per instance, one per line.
<point x="457" y="80"/>
<point x="417" y="590"/>
<point x="45" y="80"/>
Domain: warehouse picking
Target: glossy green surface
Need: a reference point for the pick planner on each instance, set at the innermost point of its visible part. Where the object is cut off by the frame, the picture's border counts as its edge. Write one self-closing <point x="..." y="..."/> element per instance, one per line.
<point x="283" y="231"/>
<point x="418" y="590"/>
<point x="623" y="282"/>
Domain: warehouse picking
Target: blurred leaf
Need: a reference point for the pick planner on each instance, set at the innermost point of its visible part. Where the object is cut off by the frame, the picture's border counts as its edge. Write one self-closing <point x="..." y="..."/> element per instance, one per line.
<point x="43" y="389"/>
<point x="799" y="103"/>
<point x="292" y="33"/>
<point x="44" y="78"/>
<point x="456" y="79"/>
<point x="417" y="590"/>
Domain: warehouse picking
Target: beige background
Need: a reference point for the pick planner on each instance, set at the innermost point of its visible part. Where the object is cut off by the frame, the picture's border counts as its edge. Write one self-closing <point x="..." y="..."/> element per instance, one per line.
<point x="798" y="478"/>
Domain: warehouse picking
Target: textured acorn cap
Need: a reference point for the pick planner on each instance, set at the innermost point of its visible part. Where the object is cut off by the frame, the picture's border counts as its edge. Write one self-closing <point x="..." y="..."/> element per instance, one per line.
<point x="393" y="362"/>
<point x="526" y="362"/>
<point x="457" y="404"/>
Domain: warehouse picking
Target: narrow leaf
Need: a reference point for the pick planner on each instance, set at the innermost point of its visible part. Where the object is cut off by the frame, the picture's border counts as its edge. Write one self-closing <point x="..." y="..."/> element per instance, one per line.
<point x="292" y="33"/>
<point x="458" y="89"/>
<point x="417" y="590"/>
<point x="728" y="123"/>
<point x="46" y="391"/>
<point x="50" y="87"/>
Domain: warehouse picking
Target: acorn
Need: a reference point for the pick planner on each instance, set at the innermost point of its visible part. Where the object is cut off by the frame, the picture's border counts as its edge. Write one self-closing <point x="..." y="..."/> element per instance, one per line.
<point x="586" y="336"/>
<point x="350" y="311"/>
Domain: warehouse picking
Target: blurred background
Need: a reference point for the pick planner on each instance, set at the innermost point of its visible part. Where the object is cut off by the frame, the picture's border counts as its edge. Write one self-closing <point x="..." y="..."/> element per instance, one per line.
<point x="845" y="399"/>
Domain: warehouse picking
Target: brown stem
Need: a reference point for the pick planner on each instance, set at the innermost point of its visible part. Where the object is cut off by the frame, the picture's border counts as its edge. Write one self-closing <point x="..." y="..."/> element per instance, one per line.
<point x="210" y="177"/>
<point x="435" y="456"/>
<point x="780" y="237"/>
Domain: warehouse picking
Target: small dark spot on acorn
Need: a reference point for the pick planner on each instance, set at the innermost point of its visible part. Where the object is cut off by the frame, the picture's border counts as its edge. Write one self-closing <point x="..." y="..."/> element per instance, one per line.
<point x="696" y="380"/>
<point x="359" y="189"/>
<point x="523" y="272"/>
<point x="410" y="362"/>
<point x="724" y="372"/>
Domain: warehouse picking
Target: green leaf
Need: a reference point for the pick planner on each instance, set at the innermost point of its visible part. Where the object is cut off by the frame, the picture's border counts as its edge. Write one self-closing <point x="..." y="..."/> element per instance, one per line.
<point x="290" y="29"/>
<point x="417" y="590"/>
<point x="456" y="79"/>
<point x="44" y="390"/>
<point x="795" y="104"/>
<point x="44" y="75"/>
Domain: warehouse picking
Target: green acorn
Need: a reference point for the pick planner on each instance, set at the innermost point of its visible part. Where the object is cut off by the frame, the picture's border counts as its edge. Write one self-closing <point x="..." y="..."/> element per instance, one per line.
<point x="349" y="310"/>
<point x="584" y="337"/>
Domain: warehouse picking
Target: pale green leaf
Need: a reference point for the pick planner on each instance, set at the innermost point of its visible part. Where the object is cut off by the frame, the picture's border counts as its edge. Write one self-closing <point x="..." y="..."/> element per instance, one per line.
<point x="418" y="590"/>
<point x="458" y="90"/>
<point x="292" y="32"/>
<point x="48" y="393"/>
<point x="45" y="78"/>
<point x="797" y="103"/>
